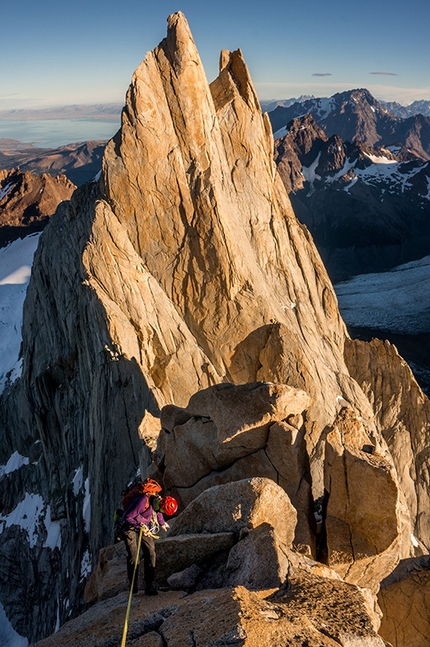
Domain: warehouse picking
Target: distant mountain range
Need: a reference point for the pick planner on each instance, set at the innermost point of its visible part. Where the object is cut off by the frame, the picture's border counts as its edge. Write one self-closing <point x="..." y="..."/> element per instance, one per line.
<point x="80" y="161"/>
<point x="357" y="115"/>
<point x="397" y="109"/>
<point x="417" y="107"/>
<point x="367" y="207"/>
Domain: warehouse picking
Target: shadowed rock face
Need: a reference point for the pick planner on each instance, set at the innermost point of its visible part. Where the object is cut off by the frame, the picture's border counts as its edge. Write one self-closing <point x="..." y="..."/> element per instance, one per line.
<point x="183" y="268"/>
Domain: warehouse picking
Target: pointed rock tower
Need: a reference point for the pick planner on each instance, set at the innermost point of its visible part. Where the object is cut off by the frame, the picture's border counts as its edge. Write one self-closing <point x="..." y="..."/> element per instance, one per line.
<point x="191" y="183"/>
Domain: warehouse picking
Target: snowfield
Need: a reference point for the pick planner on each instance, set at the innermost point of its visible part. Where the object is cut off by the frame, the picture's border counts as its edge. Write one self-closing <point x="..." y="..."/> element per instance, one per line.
<point x="8" y="636"/>
<point x="15" y="268"/>
<point x="396" y="301"/>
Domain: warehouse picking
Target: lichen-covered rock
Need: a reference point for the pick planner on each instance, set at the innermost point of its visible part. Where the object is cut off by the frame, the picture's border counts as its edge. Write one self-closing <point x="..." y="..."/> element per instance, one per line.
<point x="253" y="407"/>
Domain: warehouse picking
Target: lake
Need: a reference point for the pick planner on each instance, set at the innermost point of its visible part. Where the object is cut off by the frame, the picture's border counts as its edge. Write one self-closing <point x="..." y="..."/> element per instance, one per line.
<point x="52" y="133"/>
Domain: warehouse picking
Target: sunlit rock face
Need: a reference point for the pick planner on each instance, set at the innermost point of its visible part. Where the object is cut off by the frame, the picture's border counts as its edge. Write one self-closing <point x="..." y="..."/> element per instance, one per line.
<point x="182" y="268"/>
<point x="191" y="180"/>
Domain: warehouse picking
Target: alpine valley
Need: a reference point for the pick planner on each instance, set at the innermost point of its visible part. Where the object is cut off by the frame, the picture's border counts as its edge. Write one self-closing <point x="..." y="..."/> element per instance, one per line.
<point x="179" y="323"/>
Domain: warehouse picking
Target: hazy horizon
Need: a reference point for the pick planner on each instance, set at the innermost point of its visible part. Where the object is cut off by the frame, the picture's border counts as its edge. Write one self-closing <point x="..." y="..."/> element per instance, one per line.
<point x="86" y="53"/>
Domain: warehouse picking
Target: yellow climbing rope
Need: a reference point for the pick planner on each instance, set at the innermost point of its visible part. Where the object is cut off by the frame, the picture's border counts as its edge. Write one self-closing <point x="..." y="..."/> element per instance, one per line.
<point x="127" y="615"/>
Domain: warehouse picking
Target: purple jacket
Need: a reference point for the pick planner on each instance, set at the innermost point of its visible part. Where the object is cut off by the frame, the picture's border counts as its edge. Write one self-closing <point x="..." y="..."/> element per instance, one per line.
<point x="141" y="512"/>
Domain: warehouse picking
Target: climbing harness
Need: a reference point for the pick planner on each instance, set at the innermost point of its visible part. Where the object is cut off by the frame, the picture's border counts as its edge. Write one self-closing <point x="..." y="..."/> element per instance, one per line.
<point x="153" y="527"/>
<point x="127" y="615"/>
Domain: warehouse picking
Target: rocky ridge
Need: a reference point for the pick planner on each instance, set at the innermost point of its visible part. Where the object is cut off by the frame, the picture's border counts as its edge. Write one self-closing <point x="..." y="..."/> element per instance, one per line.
<point x="80" y="162"/>
<point x="366" y="208"/>
<point x="155" y="293"/>
<point x="27" y="201"/>
<point x="356" y="115"/>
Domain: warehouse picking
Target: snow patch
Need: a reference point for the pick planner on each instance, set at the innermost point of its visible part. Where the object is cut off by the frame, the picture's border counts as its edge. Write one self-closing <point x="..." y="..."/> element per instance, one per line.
<point x="281" y="132"/>
<point x="15" y="268"/>
<point x="396" y="176"/>
<point x="5" y="190"/>
<point x="326" y="105"/>
<point x="85" y="565"/>
<point x="8" y="636"/>
<point x="380" y="159"/>
<point x="86" y="510"/>
<point x="396" y="300"/>
<point x="14" y="463"/>
<point x="351" y="184"/>
<point x="414" y="541"/>
<point x="309" y="173"/>
<point x="31" y="515"/>
<point x="77" y="481"/>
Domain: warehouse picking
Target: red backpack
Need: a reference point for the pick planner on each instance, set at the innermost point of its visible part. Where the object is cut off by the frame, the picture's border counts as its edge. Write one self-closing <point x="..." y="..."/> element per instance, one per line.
<point x="148" y="487"/>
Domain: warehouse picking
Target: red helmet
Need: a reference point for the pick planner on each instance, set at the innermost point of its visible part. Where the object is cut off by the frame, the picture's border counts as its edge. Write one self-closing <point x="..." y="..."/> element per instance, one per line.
<point x="168" y="505"/>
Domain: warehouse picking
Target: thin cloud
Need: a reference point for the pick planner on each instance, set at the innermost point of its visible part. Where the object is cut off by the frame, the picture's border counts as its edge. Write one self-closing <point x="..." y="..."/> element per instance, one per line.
<point x="322" y="74"/>
<point x="12" y="94"/>
<point x="384" y="73"/>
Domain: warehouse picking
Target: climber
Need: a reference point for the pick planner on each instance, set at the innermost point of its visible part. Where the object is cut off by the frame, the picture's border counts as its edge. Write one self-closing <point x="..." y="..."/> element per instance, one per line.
<point x="145" y="512"/>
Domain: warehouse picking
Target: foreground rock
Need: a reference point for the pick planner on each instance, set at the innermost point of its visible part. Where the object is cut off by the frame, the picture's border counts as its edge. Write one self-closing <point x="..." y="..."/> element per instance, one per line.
<point x="236" y="534"/>
<point x="364" y="519"/>
<point x="311" y="611"/>
<point x="237" y="538"/>
<point x="403" y="414"/>
<point x="404" y="599"/>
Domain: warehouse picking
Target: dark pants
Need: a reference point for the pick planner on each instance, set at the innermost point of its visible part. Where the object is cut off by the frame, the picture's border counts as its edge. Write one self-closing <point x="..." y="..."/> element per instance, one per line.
<point x="147" y="546"/>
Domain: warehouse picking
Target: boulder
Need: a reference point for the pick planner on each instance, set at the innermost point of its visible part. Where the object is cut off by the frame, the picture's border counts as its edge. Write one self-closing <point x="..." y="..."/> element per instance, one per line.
<point x="238" y="505"/>
<point x="229" y="433"/>
<point x="177" y="553"/>
<point x="252" y="407"/>
<point x="250" y="466"/>
<point x="363" y="516"/>
<point x="258" y="561"/>
<point x="402" y="414"/>
<point x="185" y="580"/>
<point x="404" y="599"/>
<point x="109" y="576"/>
<point x="286" y="451"/>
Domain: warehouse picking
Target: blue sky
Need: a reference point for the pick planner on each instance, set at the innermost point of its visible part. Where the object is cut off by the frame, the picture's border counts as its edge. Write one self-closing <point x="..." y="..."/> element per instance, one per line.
<point x="57" y="53"/>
